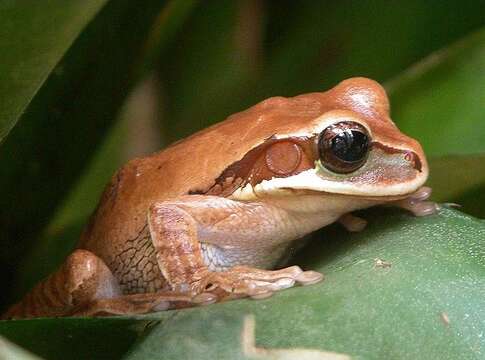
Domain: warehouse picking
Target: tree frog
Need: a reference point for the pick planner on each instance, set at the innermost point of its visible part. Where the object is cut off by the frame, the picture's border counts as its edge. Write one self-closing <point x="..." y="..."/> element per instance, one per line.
<point x="211" y="216"/>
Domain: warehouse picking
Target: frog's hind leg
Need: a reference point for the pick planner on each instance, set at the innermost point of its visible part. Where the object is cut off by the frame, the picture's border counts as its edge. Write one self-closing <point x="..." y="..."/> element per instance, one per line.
<point x="141" y="303"/>
<point x="82" y="277"/>
<point x="84" y="286"/>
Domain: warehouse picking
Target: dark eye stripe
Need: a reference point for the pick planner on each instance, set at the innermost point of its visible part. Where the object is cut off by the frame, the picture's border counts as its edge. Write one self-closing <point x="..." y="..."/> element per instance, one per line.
<point x="264" y="163"/>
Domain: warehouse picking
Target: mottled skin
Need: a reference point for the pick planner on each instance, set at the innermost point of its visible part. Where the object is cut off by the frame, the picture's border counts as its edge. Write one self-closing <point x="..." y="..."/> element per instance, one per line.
<point x="203" y="220"/>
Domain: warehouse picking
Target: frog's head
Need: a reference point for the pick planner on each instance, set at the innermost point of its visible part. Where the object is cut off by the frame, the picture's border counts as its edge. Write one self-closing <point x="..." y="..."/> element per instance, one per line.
<point x="350" y="146"/>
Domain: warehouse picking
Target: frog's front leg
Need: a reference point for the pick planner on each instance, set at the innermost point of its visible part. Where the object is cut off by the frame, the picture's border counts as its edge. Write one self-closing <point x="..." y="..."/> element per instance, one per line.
<point x="240" y="235"/>
<point x="418" y="203"/>
<point x="81" y="278"/>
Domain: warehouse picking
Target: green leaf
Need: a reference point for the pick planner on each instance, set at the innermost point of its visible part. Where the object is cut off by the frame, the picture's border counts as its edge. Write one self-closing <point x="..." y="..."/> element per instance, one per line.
<point x="459" y="179"/>
<point x="448" y="183"/>
<point x="62" y="232"/>
<point x="426" y="298"/>
<point x="68" y="117"/>
<point x="75" y="338"/>
<point x="440" y="100"/>
<point x="402" y="288"/>
<point x="34" y="36"/>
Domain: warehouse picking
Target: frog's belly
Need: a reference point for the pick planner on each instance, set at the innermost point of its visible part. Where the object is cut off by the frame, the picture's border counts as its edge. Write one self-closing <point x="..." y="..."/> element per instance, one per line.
<point x="220" y="259"/>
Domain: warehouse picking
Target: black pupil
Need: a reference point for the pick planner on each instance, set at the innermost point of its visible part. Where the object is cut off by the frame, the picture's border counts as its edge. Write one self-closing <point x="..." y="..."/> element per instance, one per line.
<point x="350" y="145"/>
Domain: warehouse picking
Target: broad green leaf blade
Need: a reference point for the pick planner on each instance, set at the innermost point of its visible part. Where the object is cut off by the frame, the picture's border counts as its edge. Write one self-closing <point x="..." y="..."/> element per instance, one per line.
<point x="63" y="230"/>
<point x="34" y="36"/>
<point x="472" y="201"/>
<point x="203" y="335"/>
<point x="62" y="126"/>
<point x="405" y="288"/>
<point x="74" y="338"/>
<point x="440" y="101"/>
<point x="402" y="288"/>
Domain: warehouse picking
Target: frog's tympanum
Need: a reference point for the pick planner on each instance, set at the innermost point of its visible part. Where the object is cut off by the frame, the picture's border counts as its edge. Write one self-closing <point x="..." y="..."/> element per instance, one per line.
<point x="210" y="217"/>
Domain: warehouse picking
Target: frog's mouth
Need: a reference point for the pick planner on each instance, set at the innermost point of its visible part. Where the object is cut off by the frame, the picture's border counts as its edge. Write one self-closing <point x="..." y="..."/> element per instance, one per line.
<point x="369" y="185"/>
<point x="381" y="198"/>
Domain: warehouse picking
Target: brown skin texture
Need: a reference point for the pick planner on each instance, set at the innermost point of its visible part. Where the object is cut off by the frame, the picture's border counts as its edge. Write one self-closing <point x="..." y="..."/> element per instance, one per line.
<point x="185" y="166"/>
<point x="142" y="249"/>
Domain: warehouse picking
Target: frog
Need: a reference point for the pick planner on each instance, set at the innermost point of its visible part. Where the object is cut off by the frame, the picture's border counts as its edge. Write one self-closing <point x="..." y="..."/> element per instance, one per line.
<point x="213" y="217"/>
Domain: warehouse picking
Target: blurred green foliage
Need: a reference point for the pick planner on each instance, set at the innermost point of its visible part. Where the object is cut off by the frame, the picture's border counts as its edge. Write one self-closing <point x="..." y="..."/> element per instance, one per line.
<point x="301" y="47"/>
<point x="68" y="66"/>
<point x="363" y="309"/>
<point x="59" y="131"/>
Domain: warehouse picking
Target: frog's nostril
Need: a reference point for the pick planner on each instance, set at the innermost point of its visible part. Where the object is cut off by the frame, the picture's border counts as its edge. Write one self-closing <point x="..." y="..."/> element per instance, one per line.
<point x="413" y="158"/>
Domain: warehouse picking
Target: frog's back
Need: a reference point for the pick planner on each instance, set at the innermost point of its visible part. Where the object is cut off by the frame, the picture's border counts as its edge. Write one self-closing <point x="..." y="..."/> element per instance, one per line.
<point x="190" y="165"/>
<point x="193" y="164"/>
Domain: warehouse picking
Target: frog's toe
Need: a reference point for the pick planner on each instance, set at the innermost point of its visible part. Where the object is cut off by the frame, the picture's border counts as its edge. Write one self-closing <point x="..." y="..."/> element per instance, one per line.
<point x="423" y="193"/>
<point x="418" y="203"/>
<point x="161" y="306"/>
<point x="309" y="277"/>
<point x="418" y="207"/>
<point x="424" y="208"/>
<point x="352" y="223"/>
<point x="243" y="281"/>
<point x="204" y="298"/>
<point x="281" y="284"/>
<point x="253" y="287"/>
<point x="262" y="295"/>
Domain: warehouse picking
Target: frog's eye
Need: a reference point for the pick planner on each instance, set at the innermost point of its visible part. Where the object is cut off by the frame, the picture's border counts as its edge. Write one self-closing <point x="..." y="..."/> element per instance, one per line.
<point x="343" y="147"/>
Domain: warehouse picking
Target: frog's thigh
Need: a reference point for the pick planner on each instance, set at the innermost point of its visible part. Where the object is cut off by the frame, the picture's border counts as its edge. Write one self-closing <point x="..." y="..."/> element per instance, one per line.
<point x="84" y="286"/>
<point x="82" y="278"/>
<point x="95" y="291"/>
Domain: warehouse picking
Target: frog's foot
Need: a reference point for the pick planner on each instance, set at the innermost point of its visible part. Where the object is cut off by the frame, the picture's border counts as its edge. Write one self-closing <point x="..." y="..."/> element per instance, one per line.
<point x="241" y="281"/>
<point x="141" y="303"/>
<point x="418" y="203"/>
<point x="352" y="223"/>
<point x="85" y="286"/>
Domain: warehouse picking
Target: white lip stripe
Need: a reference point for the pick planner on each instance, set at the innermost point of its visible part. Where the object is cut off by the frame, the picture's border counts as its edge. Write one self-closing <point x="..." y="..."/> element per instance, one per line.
<point x="309" y="180"/>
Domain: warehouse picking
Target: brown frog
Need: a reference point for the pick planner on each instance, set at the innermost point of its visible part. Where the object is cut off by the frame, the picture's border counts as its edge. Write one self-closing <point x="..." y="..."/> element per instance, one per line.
<point x="207" y="218"/>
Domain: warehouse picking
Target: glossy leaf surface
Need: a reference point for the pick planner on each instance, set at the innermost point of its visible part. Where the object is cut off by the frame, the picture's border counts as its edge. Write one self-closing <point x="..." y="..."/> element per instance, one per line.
<point x="403" y="287"/>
